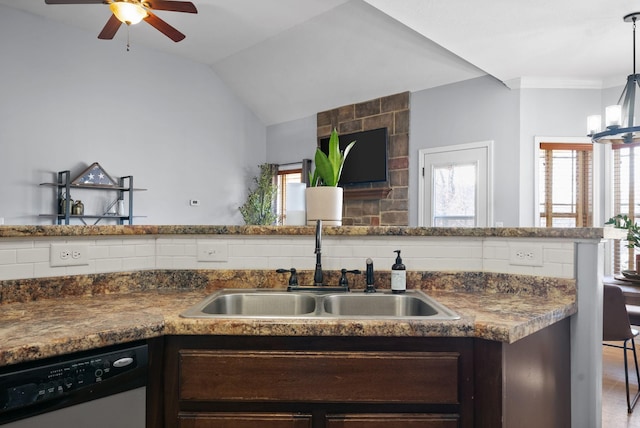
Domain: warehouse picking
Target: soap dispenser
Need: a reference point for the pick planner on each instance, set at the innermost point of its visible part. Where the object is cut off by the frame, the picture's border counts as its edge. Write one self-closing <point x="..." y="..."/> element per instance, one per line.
<point x="398" y="276"/>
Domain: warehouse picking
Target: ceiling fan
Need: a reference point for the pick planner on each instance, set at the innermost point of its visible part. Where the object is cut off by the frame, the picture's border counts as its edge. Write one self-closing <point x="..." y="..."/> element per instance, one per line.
<point x="134" y="11"/>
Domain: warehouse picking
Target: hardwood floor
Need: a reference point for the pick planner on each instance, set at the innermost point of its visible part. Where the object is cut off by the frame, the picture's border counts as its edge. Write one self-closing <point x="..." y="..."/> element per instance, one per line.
<point x="614" y="402"/>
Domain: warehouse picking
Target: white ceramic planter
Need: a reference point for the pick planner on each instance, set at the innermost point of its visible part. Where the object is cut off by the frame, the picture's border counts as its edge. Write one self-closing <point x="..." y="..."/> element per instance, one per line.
<point x="324" y="203"/>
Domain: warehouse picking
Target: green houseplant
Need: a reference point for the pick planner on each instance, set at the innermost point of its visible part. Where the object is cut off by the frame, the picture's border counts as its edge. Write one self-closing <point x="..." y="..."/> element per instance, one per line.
<point x="329" y="167"/>
<point x="324" y="197"/>
<point x="258" y="208"/>
<point x="622" y="221"/>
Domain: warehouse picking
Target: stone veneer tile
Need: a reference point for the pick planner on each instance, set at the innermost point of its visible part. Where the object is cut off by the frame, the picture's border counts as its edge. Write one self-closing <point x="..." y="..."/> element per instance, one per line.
<point x="323" y="119"/>
<point x="398" y="163"/>
<point x="379" y="121"/>
<point x="367" y="108"/>
<point x="399" y="178"/>
<point x="398" y="145"/>
<point x="394" y="205"/>
<point x="324" y="131"/>
<point x="399" y="193"/>
<point x="370" y="207"/>
<point x="394" y="218"/>
<point x="351" y="126"/>
<point x="401" y="121"/>
<point x="354" y="209"/>
<point x="395" y="102"/>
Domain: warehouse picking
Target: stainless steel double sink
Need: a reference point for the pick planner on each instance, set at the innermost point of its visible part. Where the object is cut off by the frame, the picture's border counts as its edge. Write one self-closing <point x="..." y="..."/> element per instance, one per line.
<point x="261" y="303"/>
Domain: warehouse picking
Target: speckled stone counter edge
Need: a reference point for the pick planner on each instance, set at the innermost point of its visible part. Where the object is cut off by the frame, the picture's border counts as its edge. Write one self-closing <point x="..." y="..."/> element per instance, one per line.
<point x="28" y="231"/>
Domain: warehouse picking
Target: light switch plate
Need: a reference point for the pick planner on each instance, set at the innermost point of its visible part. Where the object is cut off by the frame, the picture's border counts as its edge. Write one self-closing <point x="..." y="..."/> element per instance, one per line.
<point x="212" y="251"/>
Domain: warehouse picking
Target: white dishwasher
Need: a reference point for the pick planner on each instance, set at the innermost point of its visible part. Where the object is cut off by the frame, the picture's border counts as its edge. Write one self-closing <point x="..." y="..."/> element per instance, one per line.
<point x="98" y="389"/>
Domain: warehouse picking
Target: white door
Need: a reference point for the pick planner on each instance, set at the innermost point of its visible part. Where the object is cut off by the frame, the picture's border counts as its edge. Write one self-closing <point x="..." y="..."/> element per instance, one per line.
<point x="455" y="186"/>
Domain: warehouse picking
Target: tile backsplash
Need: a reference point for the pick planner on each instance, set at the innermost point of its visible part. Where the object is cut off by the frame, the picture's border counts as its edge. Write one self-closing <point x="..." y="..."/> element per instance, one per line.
<point x="29" y="257"/>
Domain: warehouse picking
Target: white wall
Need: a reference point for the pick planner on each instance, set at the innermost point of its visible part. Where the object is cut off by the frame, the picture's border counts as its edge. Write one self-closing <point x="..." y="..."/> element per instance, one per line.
<point x="290" y="142"/>
<point x="549" y="113"/>
<point x="479" y="109"/>
<point x="69" y="99"/>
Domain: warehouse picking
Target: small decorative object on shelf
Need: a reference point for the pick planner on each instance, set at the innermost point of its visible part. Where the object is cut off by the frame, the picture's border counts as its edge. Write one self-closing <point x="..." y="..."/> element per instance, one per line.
<point x="63" y="204"/>
<point x="92" y="178"/>
<point x="78" y="208"/>
<point x="94" y="175"/>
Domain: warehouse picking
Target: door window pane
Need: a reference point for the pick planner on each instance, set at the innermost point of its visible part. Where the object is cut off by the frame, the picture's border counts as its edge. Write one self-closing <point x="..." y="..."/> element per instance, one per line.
<point x="455" y="195"/>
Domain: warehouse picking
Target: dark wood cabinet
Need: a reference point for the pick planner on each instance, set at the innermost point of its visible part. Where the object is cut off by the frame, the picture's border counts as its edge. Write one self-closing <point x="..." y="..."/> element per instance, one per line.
<point x="391" y="420"/>
<point x="354" y="382"/>
<point x="326" y="382"/>
<point x="244" y="420"/>
<point x="319" y="376"/>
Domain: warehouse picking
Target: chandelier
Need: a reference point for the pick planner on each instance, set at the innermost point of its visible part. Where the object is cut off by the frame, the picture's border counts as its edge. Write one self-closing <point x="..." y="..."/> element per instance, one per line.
<point x="620" y="126"/>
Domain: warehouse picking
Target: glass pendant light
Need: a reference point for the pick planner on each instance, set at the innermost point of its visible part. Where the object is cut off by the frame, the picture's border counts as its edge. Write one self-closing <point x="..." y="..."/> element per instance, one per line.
<point x="620" y="121"/>
<point x="129" y="13"/>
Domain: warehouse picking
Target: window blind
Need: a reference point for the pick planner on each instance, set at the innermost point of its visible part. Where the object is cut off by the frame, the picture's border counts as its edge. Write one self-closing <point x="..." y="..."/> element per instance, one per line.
<point x="566" y="187"/>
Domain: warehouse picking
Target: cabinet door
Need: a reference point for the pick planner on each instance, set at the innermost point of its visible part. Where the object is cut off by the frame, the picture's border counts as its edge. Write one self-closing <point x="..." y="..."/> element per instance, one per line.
<point x="244" y="420"/>
<point x="388" y="420"/>
<point x="301" y="376"/>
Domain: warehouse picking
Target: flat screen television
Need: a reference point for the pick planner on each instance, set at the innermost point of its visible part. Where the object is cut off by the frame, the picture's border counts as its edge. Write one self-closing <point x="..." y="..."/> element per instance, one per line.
<point x="367" y="160"/>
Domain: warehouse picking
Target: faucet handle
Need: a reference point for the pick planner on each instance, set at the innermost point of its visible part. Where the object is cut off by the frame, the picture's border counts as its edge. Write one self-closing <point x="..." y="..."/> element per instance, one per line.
<point x="293" y="279"/>
<point x="343" y="278"/>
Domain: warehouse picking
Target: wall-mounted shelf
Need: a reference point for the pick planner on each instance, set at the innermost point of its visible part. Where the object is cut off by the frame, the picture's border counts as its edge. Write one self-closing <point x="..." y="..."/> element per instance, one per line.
<point x="367" y="194"/>
<point x="64" y="188"/>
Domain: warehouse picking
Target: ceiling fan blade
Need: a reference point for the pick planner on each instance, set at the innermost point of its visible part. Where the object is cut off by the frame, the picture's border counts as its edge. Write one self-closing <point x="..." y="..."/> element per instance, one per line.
<point x="164" y="28"/>
<point x="74" y="1"/>
<point x="172" y="6"/>
<point x="110" y="29"/>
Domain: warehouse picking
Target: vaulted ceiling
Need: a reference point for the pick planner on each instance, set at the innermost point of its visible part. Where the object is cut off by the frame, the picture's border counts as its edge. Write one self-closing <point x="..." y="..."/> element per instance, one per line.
<point x="288" y="59"/>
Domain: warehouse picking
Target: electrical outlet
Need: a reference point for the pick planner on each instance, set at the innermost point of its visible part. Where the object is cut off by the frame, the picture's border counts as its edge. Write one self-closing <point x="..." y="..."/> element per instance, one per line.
<point x="69" y="255"/>
<point x="525" y="254"/>
<point x="194" y="202"/>
<point x="213" y="251"/>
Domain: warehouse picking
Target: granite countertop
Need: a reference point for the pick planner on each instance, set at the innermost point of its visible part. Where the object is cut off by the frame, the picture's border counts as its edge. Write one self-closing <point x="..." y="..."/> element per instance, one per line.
<point x="491" y="306"/>
<point x="29" y="231"/>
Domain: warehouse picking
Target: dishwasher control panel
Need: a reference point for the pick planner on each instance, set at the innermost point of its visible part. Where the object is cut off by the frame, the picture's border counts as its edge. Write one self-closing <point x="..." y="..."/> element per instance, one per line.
<point x="51" y="380"/>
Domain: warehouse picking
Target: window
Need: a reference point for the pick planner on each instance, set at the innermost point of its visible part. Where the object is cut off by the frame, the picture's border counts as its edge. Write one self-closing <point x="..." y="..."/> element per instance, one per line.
<point x="285" y="176"/>
<point x="454" y="195"/>
<point x="626" y="197"/>
<point x="566" y="183"/>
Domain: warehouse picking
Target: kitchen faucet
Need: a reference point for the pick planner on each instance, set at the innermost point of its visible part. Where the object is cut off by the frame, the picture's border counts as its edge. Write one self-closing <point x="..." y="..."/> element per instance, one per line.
<point x="318" y="277"/>
<point x="317" y="274"/>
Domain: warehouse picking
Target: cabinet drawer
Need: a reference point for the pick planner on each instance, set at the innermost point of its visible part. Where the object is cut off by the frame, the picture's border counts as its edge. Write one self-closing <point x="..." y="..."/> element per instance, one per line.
<point x="243" y="420"/>
<point x="384" y="420"/>
<point x="301" y="376"/>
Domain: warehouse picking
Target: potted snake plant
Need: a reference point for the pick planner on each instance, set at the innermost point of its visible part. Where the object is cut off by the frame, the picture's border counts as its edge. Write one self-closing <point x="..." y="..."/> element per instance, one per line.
<point x="324" y="197"/>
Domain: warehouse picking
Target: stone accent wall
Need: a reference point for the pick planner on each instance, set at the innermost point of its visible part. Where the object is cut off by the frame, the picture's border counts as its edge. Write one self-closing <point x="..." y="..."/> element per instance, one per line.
<point x="389" y="206"/>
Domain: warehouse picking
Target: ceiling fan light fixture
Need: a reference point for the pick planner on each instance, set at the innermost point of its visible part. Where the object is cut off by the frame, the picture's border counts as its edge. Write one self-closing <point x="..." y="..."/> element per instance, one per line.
<point x="128" y="13"/>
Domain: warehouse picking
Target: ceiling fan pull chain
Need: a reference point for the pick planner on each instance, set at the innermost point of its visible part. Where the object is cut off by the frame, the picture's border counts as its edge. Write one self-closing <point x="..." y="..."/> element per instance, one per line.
<point x="128" y="38"/>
